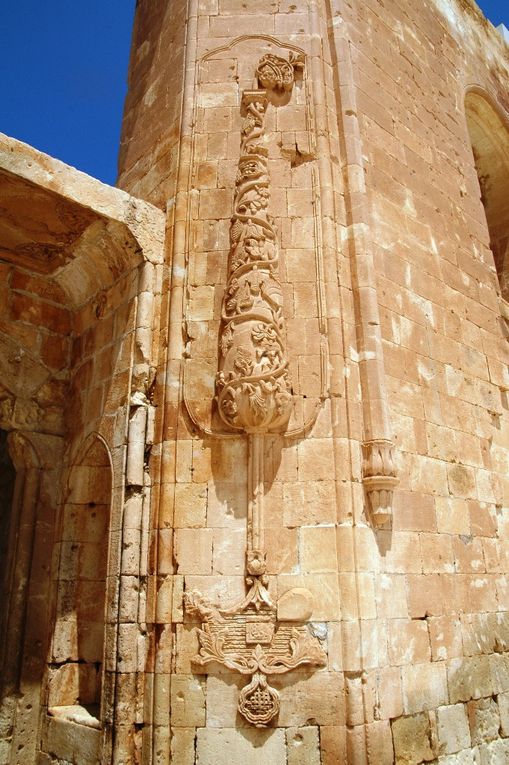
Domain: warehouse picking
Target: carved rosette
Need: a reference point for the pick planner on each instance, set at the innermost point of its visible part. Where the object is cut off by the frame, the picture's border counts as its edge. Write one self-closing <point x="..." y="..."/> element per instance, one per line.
<point x="379" y="477"/>
<point x="253" y="385"/>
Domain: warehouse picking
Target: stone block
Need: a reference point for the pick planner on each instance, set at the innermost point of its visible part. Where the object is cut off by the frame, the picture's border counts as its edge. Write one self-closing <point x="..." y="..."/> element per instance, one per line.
<point x="379" y="742"/>
<point x="413" y="737"/>
<point x="445" y="637"/>
<point x="318" y="549"/>
<point x="193" y="551"/>
<point x="332" y="744"/>
<point x="453" y="728"/>
<point x="503" y="709"/>
<point x="303" y="746"/>
<point x="307" y="696"/>
<point x="408" y="641"/>
<point x="72" y="742"/>
<point x="484" y="720"/>
<point x="247" y="746"/>
<point x="469" y="678"/>
<point x="424" y="686"/>
<point x="182" y="746"/>
<point x="187" y="701"/>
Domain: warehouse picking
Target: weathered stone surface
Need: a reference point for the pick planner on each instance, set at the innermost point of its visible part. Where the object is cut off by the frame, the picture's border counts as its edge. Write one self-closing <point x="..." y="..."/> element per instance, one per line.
<point x="317" y="311"/>
<point x="252" y="747"/>
<point x="453" y="729"/>
<point x="484" y="720"/>
<point x="303" y="746"/>
<point x="413" y="739"/>
<point x="295" y="605"/>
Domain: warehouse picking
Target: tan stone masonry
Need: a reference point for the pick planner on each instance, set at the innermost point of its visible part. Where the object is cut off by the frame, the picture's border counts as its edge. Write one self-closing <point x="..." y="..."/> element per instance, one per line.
<point x="258" y="422"/>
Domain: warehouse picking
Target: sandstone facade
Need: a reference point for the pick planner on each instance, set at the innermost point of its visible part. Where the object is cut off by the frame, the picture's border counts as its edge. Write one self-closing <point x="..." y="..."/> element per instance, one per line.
<point x="255" y="427"/>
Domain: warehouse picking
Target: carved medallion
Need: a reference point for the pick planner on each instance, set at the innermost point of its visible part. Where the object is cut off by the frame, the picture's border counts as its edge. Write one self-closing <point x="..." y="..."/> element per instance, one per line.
<point x="275" y="73"/>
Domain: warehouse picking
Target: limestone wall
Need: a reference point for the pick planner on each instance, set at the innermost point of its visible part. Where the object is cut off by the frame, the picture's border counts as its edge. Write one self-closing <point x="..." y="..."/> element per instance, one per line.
<point x="260" y="505"/>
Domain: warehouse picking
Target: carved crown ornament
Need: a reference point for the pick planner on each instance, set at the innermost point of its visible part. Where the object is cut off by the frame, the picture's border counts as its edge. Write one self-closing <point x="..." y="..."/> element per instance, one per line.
<point x="253" y="395"/>
<point x="250" y="640"/>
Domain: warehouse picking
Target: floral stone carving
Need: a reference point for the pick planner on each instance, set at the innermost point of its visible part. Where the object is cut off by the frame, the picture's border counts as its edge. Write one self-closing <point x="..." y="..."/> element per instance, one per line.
<point x="379" y="477"/>
<point x="254" y="397"/>
<point x="253" y="386"/>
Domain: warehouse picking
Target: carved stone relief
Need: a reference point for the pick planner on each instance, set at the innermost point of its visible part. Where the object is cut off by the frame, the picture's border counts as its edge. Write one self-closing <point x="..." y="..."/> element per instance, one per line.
<point x="248" y="639"/>
<point x="253" y="387"/>
<point x="254" y="396"/>
<point x="251" y="372"/>
<point x="379" y="476"/>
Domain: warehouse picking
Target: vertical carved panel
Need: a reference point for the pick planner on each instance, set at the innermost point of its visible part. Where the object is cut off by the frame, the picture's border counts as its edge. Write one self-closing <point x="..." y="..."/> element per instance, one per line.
<point x="253" y="395"/>
<point x="253" y="386"/>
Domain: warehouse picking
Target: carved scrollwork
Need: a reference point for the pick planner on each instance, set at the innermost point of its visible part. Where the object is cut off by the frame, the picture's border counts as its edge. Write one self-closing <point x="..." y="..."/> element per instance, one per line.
<point x="248" y="639"/>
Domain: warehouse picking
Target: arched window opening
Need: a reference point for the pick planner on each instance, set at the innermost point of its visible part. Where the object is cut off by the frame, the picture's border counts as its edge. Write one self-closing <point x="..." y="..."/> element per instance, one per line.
<point x="76" y="671"/>
<point x="490" y="145"/>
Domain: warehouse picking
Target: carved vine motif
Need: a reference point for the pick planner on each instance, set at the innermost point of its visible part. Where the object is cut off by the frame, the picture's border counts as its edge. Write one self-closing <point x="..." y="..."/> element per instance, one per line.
<point x="253" y="385"/>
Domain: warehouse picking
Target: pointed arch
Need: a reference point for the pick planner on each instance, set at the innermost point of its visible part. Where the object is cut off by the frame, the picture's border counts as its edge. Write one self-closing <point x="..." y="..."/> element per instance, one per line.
<point x="488" y="128"/>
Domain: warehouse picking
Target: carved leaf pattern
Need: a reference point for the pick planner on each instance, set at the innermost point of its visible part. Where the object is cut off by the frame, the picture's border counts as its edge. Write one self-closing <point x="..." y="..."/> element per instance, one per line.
<point x="253" y="291"/>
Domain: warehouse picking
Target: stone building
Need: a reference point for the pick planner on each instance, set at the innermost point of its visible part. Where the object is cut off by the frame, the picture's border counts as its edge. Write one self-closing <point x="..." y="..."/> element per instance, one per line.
<point x="254" y="422"/>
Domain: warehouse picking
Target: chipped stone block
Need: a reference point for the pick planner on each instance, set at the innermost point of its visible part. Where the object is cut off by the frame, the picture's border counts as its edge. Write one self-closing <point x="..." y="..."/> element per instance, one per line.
<point x="484" y="720"/>
<point x="303" y="746"/>
<point x="413" y="739"/>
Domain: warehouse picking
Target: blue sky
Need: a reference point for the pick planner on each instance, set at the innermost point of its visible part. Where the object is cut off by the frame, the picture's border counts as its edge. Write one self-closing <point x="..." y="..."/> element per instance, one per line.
<point x="64" y="72"/>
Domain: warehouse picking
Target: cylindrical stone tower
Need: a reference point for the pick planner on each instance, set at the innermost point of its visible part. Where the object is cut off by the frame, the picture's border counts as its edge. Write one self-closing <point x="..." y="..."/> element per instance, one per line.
<point x="328" y="459"/>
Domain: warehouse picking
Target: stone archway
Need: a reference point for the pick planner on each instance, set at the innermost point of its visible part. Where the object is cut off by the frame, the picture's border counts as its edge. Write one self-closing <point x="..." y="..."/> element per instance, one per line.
<point x="489" y="136"/>
<point x="26" y="589"/>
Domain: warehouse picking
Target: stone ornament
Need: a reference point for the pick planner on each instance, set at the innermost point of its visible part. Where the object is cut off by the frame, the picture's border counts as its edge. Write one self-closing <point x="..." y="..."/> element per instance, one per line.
<point x="253" y="385"/>
<point x="275" y="73"/>
<point x="379" y="477"/>
<point x="254" y="396"/>
<point x="248" y="639"/>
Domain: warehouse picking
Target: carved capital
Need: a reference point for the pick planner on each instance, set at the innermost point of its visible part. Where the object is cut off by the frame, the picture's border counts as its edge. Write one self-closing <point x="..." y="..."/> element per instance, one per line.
<point x="379" y="477"/>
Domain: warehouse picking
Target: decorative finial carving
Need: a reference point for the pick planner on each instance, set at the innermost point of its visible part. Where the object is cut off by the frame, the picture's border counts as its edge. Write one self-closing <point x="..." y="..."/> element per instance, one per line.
<point x="379" y="477"/>
<point x="253" y="386"/>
